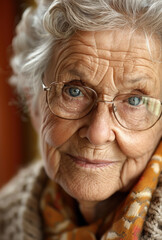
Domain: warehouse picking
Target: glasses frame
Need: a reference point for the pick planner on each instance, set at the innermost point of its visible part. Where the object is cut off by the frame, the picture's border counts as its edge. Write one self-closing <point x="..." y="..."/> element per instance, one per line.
<point x="47" y="89"/>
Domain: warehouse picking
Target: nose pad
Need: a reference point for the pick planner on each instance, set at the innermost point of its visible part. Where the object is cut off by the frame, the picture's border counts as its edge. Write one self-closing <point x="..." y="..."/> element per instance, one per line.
<point x="99" y="129"/>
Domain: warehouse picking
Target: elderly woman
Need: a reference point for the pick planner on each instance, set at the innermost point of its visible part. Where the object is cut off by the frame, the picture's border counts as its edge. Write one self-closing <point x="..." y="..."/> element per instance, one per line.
<point x="90" y="72"/>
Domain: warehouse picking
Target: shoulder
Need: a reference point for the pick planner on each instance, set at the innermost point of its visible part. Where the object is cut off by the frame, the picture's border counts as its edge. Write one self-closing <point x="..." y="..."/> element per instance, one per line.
<point x="153" y="224"/>
<point x="19" y="204"/>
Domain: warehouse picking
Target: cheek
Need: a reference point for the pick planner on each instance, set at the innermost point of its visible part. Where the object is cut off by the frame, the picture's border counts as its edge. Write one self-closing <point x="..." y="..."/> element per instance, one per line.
<point x="57" y="131"/>
<point x="138" y="144"/>
<point x="54" y="133"/>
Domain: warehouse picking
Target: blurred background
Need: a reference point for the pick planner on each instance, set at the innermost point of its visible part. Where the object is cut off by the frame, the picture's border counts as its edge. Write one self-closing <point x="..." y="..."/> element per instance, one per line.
<point x="15" y="128"/>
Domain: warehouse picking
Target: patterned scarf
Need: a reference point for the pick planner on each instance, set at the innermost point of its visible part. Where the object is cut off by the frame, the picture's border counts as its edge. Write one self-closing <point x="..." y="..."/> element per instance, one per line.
<point x="63" y="221"/>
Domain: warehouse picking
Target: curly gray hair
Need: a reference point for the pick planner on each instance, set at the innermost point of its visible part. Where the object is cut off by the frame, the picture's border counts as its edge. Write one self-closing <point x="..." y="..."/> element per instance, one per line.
<point x="50" y="21"/>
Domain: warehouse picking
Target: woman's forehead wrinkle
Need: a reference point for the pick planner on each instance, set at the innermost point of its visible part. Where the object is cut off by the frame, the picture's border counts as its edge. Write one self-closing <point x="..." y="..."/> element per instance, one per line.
<point x="104" y="59"/>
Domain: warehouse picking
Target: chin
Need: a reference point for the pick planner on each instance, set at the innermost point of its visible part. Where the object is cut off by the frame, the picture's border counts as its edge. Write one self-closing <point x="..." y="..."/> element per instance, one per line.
<point x="88" y="192"/>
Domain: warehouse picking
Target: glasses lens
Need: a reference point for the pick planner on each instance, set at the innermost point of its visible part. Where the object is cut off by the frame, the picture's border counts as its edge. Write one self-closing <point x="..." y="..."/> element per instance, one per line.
<point x="70" y="101"/>
<point x="137" y="112"/>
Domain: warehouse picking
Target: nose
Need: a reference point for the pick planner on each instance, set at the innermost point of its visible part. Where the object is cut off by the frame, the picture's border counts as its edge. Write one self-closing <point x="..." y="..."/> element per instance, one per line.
<point x="99" y="129"/>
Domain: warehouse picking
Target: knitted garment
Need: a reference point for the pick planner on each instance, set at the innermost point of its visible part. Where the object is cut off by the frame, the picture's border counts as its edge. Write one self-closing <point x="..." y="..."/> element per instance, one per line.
<point x="19" y="205"/>
<point x="20" y="217"/>
<point x="59" y="213"/>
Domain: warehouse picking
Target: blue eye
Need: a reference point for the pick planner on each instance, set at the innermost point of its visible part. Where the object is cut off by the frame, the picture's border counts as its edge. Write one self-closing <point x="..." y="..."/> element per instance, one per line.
<point x="75" y="92"/>
<point x="134" y="101"/>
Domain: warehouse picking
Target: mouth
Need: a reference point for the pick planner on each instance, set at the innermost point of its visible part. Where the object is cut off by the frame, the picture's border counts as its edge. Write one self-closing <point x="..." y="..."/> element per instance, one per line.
<point x="88" y="163"/>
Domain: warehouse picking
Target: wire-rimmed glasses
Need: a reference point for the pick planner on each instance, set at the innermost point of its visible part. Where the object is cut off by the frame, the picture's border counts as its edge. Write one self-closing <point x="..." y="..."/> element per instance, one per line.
<point x="74" y="101"/>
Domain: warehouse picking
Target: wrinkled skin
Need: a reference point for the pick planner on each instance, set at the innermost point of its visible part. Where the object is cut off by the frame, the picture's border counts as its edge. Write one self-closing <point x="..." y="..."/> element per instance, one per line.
<point x="111" y="62"/>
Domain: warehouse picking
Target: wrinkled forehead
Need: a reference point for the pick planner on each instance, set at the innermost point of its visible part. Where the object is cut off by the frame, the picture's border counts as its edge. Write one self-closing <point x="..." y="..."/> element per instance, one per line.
<point x="115" y="41"/>
<point x="113" y="47"/>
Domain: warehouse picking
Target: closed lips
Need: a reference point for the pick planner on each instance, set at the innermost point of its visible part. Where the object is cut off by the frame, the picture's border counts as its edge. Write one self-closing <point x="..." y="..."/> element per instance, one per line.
<point x="89" y="162"/>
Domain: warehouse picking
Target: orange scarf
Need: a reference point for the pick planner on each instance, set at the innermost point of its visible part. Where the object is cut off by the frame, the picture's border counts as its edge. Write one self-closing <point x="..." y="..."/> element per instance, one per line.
<point x="60" y="214"/>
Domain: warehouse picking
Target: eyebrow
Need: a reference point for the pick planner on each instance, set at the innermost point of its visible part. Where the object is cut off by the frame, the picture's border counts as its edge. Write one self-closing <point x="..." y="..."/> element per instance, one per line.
<point x="135" y="80"/>
<point x="139" y="79"/>
<point x="78" y="73"/>
<point x="83" y="76"/>
<point x="146" y="83"/>
<point x="132" y="80"/>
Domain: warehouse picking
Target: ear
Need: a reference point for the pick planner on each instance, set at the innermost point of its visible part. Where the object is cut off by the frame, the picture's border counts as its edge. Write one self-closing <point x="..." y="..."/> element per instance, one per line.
<point x="34" y="110"/>
<point x="35" y="116"/>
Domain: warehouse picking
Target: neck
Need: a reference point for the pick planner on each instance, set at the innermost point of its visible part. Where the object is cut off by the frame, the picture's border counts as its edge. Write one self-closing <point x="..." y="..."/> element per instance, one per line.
<point x="88" y="210"/>
<point x="94" y="210"/>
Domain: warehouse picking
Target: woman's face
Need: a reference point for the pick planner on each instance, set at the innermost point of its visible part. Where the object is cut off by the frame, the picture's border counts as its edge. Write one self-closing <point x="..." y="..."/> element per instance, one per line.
<point x="93" y="157"/>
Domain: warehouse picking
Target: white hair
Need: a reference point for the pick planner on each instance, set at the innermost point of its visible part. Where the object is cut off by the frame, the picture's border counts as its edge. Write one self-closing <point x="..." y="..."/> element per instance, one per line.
<point x="50" y="21"/>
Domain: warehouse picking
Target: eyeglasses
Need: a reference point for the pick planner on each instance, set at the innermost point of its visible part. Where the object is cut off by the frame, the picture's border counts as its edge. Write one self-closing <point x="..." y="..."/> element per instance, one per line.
<point x="75" y="101"/>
